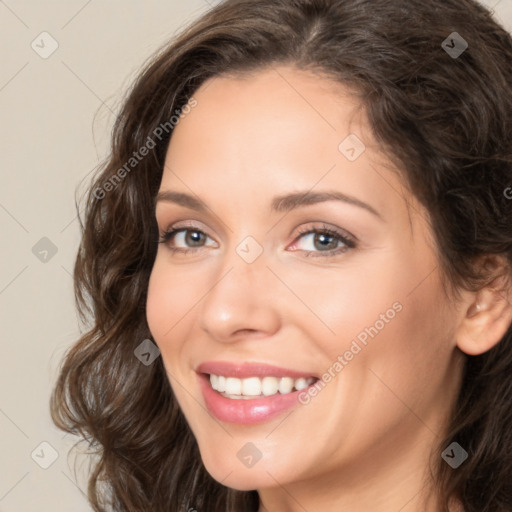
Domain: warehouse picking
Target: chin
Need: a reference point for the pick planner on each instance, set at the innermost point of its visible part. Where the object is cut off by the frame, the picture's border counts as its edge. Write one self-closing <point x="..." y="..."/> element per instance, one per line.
<point x="239" y="478"/>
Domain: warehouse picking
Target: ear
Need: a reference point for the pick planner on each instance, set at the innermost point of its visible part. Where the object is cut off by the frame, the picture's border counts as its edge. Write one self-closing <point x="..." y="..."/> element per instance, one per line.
<point x="487" y="315"/>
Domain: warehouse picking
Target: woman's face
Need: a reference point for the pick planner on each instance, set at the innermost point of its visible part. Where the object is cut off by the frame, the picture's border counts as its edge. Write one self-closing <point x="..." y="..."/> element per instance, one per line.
<point x="267" y="305"/>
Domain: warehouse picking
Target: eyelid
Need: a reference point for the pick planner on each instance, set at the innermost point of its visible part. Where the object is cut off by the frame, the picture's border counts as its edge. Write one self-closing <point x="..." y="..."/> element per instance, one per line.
<point x="193" y="225"/>
<point x="324" y="227"/>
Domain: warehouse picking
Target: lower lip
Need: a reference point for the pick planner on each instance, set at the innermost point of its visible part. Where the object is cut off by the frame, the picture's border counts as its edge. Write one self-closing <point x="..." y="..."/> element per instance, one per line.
<point x="245" y="411"/>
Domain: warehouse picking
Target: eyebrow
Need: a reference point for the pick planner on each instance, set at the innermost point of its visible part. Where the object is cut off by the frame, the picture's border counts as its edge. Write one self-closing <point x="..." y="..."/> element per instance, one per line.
<point x="284" y="203"/>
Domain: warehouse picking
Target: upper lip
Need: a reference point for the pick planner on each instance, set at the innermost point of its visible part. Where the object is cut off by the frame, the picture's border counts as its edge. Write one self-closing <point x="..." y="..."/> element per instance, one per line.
<point x="244" y="369"/>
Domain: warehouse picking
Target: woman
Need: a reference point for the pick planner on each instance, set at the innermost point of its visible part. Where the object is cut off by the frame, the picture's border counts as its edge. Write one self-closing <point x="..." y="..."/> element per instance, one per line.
<point x="297" y="264"/>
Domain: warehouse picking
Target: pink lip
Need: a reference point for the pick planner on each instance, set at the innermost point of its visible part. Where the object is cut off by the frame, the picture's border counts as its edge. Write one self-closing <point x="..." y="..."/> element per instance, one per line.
<point x="254" y="410"/>
<point x="244" y="370"/>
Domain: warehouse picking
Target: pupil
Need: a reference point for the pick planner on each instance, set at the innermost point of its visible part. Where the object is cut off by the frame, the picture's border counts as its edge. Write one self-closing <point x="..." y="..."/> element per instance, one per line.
<point x="325" y="238"/>
<point x="194" y="236"/>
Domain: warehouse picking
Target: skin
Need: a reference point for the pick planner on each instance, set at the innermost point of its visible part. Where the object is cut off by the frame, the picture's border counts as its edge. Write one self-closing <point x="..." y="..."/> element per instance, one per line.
<point x="364" y="441"/>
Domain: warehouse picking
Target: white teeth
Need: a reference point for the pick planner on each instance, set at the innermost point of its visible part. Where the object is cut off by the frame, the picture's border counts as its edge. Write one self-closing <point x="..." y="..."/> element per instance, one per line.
<point x="269" y="386"/>
<point x="286" y="385"/>
<point x="231" y="387"/>
<point x="251" y="386"/>
<point x="221" y="384"/>
<point x="300" y="384"/>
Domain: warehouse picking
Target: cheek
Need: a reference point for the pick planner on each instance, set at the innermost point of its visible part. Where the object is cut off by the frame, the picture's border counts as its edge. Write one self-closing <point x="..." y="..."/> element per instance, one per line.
<point x="391" y="313"/>
<point x="170" y="296"/>
<point x="167" y="305"/>
<point x="406" y="340"/>
<point x="163" y="311"/>
<point x="355" y="303"/>
<point x="157" y="303"/>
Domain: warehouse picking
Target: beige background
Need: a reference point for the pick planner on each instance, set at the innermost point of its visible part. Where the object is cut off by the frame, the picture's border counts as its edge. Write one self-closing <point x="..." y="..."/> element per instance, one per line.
<point x="56" y="118"/>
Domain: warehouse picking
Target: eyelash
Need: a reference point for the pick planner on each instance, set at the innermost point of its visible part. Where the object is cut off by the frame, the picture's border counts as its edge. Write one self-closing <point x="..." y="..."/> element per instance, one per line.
<point x="349" y="242"/>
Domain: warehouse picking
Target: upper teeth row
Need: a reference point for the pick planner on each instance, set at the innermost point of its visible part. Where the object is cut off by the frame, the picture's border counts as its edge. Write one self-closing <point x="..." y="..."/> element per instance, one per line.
<point x="254" y="386"/>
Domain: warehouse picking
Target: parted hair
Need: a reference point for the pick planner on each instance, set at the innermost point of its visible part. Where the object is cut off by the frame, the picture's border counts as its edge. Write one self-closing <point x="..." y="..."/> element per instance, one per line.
<point x="444" y="119"/>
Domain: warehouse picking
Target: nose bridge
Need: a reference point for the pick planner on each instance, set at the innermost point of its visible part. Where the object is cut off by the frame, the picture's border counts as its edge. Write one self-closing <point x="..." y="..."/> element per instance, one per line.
<point x="242" y="295"/>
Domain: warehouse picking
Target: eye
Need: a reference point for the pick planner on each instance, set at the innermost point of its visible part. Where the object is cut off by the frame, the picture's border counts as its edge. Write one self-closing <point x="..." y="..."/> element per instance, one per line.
<point x="325" y="242"/>
<point x="191" y="236"/>
<point x="320" y="242"/>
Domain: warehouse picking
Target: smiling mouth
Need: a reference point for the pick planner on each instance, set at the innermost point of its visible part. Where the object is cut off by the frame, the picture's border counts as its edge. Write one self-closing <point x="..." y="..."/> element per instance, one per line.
<point x="251" y="388"/>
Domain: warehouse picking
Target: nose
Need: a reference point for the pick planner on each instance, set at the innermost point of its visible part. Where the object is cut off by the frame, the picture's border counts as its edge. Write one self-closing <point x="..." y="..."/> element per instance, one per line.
<point x="242" y="302"/>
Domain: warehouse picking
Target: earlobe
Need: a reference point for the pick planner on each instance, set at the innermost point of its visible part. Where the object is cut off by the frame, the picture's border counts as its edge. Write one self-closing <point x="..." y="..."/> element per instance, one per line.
<point x="487" y="318"/>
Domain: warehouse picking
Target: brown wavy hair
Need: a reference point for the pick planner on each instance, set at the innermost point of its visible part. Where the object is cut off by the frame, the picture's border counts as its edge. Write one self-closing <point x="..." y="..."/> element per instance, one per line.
<point x="447" y="122"/>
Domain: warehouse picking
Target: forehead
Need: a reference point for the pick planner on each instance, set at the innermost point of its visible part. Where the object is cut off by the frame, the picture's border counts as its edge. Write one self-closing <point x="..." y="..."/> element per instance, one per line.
<point x="277" y="129"/>
<point x="272" y="113"/>
<point x="283" y="94"/>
